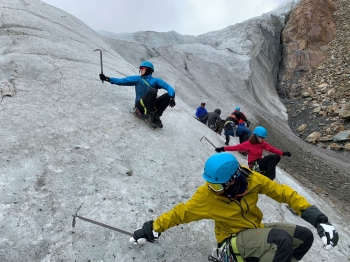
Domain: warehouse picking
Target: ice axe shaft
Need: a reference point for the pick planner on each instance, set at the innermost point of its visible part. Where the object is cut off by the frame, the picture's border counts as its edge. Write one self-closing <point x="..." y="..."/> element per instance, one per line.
<point x="100" y="60"/>
<point x="102" y="225"/>
<point x="207" y="140"/>
<point x="105" y="225"/>
<point x="98" y="223"/>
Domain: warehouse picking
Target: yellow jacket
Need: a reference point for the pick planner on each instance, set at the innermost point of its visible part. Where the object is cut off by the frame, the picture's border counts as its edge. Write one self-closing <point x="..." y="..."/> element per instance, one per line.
<point x="233" y="216"/>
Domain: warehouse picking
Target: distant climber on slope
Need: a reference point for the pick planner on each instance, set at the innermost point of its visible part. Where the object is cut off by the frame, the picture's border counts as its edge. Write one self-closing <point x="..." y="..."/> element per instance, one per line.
<point x="146" y="87"/>
<point x="241" y="121"/>
<point x="215" y="122"/>
<point x="232" y="127"/>
<point x="202" y="114"/>
<point x="255" y="146"/>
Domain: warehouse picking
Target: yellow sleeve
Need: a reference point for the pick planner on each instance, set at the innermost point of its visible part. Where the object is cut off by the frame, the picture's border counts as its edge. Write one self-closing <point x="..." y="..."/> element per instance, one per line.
<point x="193" y="210"/>
<point x="283" y="194"/>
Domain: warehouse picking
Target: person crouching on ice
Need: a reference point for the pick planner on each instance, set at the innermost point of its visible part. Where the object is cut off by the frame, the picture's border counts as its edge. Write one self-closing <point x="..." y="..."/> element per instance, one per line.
<point x="146" y="88"/>
<point x="255" y="147"/>
<point x="229" y="197"/>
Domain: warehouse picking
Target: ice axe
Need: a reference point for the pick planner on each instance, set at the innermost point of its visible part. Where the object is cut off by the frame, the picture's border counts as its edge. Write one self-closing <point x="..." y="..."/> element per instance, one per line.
<point x="207" y="140"/>
<point x="103" y="225"/>
<point x="100" y="61"/>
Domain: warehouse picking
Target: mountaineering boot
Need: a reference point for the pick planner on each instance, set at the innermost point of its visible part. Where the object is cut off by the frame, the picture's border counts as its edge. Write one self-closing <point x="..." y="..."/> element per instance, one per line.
<point x="157" y="121"/>
<point x="227" y="140"/>
<point x="256" y="167"/>
<point x="149" y="119"/>
<point x="137" y="113"/>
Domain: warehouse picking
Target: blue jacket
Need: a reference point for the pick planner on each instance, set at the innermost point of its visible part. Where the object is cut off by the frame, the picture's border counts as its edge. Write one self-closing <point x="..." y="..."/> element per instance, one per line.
<point x="141" y="88"/>
<point x="201" y="112"/>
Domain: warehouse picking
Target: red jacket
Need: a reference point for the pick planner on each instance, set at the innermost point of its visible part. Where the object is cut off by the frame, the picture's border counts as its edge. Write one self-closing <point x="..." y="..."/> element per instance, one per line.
<point x="254" y="150"/>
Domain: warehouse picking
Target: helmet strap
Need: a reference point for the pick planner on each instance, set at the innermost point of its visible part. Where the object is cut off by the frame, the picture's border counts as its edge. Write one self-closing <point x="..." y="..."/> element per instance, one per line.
<point x="148" y="71"/>
<point x="238" y="188"/>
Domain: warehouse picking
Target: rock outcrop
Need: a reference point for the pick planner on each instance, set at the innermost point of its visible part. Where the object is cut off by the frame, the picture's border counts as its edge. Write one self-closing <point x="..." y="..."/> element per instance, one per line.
<point x="306" y="37"/>
<point x="315" y="80"/>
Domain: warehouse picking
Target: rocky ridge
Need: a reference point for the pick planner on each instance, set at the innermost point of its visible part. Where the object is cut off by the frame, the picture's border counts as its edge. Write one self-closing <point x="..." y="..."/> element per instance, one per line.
<point x="314" y="83"/>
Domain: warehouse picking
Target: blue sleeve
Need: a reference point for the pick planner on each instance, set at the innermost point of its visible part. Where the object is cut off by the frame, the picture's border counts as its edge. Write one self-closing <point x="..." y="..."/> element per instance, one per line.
<point x="197" y="112"/>
<point x="162" y="84"/>
<point x="126" y="81"/>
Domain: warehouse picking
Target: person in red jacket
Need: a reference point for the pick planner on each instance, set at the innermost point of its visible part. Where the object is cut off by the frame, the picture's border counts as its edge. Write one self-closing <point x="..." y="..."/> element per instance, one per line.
<point x="255" y="147"/>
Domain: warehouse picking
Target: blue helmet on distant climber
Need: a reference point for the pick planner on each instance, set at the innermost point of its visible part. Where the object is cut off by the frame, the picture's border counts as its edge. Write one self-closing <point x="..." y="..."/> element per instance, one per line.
<point x="147" y="64"/>
<point x="260" y="131"/>
<point x="237" y="108"/>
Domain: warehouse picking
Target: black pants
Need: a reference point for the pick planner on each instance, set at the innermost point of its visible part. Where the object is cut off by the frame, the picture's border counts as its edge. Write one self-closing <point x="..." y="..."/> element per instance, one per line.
<point x="203" y="119"/>
<point x="153" y="103"/>
<point x="268" y="164"/>
<point x="244" y="137"/>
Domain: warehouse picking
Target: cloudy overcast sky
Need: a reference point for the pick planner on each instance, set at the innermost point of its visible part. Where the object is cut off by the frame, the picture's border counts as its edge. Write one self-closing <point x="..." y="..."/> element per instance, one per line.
<point x="192" y="17"/>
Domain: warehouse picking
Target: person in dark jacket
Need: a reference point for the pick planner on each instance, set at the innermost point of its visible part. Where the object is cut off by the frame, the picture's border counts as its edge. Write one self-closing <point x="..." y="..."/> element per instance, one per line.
<point x="147" y="104"/>
<point x="229" y="197"/>
<point x="215" y="122"/>
<point x="241" y="122"/>
<point x="255" y="147"/>
<point x="232" y="126"/>
<point x="202" y="113"/>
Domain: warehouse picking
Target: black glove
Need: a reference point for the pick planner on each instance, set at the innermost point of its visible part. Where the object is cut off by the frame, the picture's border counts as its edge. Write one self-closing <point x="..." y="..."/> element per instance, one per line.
<point x="325" y="230"/>
<point x="247" y="123"/>
<point x="104" y="78"/>
<point x="145" y="233"/>
<point x="286" y="153"/>
<point x="219" y="149"/>
<point x="172" y="102"/>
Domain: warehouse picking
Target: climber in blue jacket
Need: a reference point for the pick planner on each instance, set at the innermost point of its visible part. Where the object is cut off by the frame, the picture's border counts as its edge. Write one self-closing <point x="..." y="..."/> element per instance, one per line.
<point x="147" y="104"/>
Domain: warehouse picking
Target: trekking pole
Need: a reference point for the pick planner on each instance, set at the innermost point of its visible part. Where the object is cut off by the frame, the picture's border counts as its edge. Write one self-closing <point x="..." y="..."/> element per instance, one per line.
<point x="100" y="60"/>
<point x="102" y="224"/>
<point x="207" y="140"/>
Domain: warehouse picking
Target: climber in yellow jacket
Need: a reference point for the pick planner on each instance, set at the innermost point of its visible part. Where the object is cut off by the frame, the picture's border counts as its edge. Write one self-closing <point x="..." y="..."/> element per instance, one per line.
<point x="230" y="197"/>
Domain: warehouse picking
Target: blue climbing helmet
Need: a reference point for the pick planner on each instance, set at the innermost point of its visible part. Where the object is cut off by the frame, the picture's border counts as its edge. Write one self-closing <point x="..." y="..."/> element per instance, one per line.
<point x="260" y="131"/>
<point x="237" y="108"/>
<point x="147" y="64"/>
<point x="220" y="168"/>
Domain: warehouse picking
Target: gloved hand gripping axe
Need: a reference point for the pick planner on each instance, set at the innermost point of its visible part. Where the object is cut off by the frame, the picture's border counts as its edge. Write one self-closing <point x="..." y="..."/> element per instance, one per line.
<point x="100" y="61"/>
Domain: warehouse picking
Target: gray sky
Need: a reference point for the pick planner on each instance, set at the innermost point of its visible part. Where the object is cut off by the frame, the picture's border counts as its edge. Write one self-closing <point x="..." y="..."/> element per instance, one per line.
<point x="192" y="17"/>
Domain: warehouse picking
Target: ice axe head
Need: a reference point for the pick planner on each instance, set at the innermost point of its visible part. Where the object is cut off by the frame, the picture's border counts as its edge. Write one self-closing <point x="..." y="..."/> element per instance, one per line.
<point x="76" y="215"/>
<point x="100" y="60"/>
<point x="207" y="140"/>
